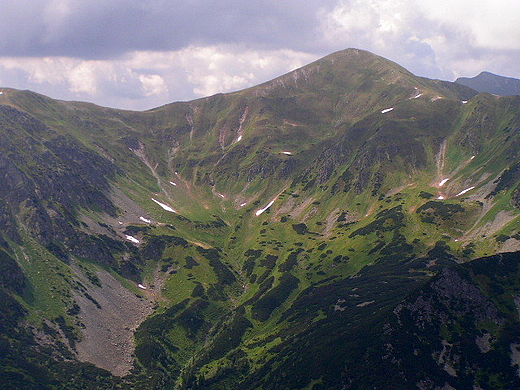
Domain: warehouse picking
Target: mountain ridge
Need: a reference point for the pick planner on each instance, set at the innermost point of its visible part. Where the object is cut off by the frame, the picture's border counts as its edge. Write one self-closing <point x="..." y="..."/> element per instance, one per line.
<point x="492" y="83"/>
<point x="253" y="224"/>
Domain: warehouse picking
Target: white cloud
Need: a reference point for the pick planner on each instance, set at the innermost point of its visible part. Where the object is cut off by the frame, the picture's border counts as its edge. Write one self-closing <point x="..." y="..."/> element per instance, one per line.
<point x="84" y="77"/>
<point x="393" y="29"/>
<point x="152" y="53"/>
<point x="492" y="24"/>
<point x="153" y="84"/>
<point x="144" y="79"/>
<point x="223" y="69"/>
<point x="432" y="38"/>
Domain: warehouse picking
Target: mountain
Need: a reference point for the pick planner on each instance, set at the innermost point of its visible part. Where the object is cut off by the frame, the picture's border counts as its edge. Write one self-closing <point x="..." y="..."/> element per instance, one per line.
<point x="492" y="83"/>
<point x="279" y="237"/>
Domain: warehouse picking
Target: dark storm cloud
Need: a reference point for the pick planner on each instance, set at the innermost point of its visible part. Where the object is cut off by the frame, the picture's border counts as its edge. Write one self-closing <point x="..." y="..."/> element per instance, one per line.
<point x="104" y="29"/>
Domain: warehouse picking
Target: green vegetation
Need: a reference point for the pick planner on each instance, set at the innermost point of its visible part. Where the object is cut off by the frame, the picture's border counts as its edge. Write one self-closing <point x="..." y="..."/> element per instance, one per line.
<point x="167" y="208"/>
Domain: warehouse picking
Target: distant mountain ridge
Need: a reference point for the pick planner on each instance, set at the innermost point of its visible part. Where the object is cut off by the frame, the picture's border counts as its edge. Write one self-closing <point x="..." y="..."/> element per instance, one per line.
<point x="492" y="83"/>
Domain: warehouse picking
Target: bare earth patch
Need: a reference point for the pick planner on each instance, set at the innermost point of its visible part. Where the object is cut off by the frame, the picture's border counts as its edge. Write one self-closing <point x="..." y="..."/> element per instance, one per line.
<point x="110" y="315"/>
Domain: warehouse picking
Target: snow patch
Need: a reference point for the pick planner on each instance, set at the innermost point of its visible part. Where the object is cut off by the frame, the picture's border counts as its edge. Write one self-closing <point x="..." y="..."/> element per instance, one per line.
<point x="173" y="183"/>
<point x="141" y="286"/>
<point x="387" y="110"/>
<point x="464" y="191"/>
<point x="164" y="206"/>
<point x="258" y="212"/>
<point x="363" y="304"/>
<point x="145" y="220"/>
<point x="133" y="239"/>
<point x="443" y="181"/>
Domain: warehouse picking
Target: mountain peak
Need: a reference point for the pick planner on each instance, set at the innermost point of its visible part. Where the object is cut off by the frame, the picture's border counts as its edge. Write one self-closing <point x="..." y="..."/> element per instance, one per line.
<point x="492" y="83"/>
<point x="287" y="234"/>
<point x="358" y="72"/>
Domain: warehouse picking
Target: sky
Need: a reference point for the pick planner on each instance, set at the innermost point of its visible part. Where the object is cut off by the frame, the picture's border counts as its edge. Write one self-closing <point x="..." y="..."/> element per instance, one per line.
<point x="140" y="54"/>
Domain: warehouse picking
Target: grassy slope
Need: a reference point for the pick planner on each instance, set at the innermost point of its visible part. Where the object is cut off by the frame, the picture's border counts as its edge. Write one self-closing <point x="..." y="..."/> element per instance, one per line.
<point x="350" y="195"/>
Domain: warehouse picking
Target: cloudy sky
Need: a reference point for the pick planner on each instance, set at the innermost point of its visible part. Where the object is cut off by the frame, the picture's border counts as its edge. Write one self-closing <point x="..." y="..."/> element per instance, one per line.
<point x="139" y="54"/>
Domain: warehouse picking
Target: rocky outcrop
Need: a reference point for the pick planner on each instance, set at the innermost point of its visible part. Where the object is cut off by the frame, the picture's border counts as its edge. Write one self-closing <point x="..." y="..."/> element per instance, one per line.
<point x="459" y="328"/>
<point x="46" y="179"/>
<point x="11" y="276"/>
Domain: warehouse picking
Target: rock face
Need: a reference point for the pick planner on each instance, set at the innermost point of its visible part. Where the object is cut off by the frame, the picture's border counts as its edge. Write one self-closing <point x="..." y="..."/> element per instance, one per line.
<point x="11" y="275"/>
<point x="47" y="177"/>
<point x="458" y="329"/>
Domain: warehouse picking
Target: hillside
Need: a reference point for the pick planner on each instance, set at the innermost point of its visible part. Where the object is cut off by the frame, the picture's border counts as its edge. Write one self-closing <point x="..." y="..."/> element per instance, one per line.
<point x="265" y="238"/>
<point x="492" y="83"/>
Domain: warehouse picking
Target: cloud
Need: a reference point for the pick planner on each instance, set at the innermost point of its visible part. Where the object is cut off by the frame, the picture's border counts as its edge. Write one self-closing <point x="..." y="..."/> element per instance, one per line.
<point x="440" y="38"/>
<point x="490" y="23"/>
<point x="83" y="77"/>
<point x="217" y="69"/>
<point x="142" y="53"/>
<point x="144" y="79"/>
<point x="153" y="84"/>
<point x="99" y="29"/>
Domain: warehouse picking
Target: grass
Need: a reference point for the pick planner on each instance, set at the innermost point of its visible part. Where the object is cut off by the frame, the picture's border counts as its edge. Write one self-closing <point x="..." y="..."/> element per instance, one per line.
<point x="49" y="294"/>
<point x="369" y="168"/>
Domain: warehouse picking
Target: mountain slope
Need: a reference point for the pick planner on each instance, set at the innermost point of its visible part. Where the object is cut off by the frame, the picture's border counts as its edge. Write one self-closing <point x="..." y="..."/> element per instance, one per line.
<point x="492" y="83"/>
<point x="244" y="239"/>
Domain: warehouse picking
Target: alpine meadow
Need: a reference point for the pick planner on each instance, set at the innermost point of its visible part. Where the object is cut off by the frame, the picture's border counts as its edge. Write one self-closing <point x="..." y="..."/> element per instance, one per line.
<point x="348" y="225"/>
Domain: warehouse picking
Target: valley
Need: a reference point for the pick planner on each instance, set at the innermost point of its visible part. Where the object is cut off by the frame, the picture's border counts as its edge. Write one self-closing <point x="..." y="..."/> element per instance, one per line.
<point x="333" y="228"/>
